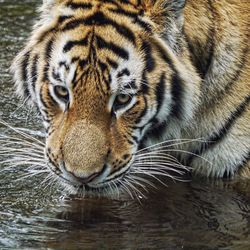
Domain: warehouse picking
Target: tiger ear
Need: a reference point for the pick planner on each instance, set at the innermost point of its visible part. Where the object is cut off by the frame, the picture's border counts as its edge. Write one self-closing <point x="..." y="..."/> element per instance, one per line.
<point x="160" y="10"/>
<point x="175" y="6"/>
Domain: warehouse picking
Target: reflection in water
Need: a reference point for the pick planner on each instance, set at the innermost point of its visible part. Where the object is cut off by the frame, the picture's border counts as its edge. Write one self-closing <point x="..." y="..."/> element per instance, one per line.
<point x="182" y="215"/>
<point x="196" y="215"/>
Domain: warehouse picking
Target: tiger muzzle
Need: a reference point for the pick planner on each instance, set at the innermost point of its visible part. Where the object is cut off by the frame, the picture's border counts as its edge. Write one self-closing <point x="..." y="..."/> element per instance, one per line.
<point x="84" y="151"/>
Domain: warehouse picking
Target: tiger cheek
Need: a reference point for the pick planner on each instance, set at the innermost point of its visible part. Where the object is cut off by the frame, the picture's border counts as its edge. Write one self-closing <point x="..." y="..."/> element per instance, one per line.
<point x="120" y="145"/>
<point x="54" y="140"/>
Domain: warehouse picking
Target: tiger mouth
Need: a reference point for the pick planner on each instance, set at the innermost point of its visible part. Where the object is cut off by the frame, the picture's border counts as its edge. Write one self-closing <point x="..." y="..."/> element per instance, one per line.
<point x="98" y="189"/>
<point x="107" y="187"/>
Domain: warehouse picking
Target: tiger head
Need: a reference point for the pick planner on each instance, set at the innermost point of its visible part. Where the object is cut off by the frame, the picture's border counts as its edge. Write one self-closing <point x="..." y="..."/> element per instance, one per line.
<point x="108" y="77"/>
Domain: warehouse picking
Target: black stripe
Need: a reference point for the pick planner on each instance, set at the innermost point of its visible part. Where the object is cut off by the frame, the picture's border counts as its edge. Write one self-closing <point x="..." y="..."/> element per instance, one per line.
<point x="43" y="102"/>
<point x="164" y="55"/>
<point x="34" y="72"/>
<point x="177" y="92"/>
<point x="107" y="80"/>
<point x="126" y="2"/>
<point x="217" y="137"/>
<point x="112" y="63"/>
<point x="124" y="12"/>
<point x="197" y="59"/>
<point x="156" y="131"/>
<point x="117" y="3"/>
<point x="99" y="19"/>
<point x="123" y="72"/>
<point x="98" y="77"/>
<point x="160" y="93"/>
<point x="117" y="170"/>
<point x="74" y="78"/>
<point x="221" y="134"/>
<point x="160" y="96"/>
<point x="51" y="101"/>
<point x="202" y="60"/>
<point x="56" y="76"/>
<point x="83" y="63"/>
<point x="202" y="56"/>
<point x="144" y="83"/>
<point x="240" y="69"/>
<point x="24" y="68"/>
<point x="48" y="51"/>
<point x="150" y="62"/>
<point x="144" y="112"/>
<point x="62" y="19"/>
<point x="84" y="6"/>
<point x="135" y="16"/>
<point x="111" y="2"/>
<point x="75" y="59"/>
<point x="81" y="77"/>
<point x="131" y="85"/>
<point x="119" y="51"/>
<point x="70" y="44"/>
<point x="107" y="83"/>
<point x="177" y="86"/>
<point x="135" y="139"/>
<point x="102" y="65"/>
<point x="157" y="127"/>
<point x="149" y="66"/>
<point x="65" y="65"/>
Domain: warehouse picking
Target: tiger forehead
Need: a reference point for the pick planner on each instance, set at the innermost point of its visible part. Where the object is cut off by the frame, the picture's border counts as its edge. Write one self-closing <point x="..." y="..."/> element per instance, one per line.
<point x="96" y="38"/>
<point x="114" y="13"/>
<point x="131" y="5"/>
<point x="97" y="52"/>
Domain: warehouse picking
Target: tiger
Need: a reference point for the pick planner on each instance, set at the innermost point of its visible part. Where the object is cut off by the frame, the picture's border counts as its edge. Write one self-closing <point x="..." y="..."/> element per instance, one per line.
<point x="113" y="79"/>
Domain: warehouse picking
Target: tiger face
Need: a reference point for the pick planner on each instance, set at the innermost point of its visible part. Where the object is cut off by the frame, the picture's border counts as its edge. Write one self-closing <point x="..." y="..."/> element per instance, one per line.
<point x="103" y="78"/>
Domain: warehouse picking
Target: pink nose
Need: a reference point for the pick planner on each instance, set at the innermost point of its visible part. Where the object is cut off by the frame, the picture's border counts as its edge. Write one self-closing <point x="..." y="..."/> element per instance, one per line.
<point x="86" y="180"/>
<point x="83" y="179"/>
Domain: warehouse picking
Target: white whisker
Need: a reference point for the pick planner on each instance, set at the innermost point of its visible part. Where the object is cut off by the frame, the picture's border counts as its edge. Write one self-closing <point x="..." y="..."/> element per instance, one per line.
<point x="21" y="154"/>
<point x="126" y="188"/>
<point x="21" y="133"/>
<point x="134" y="181"/>
<point x="135" y="189"/>
<point x="7" y="140"/>
<point x="185" y="152"/>
<point x="176" y="142"/>
<point x="153" y="175"/>
<point x="162" y="164"/>
<point x="136" y="177"/>
<point x="161" y="159"/>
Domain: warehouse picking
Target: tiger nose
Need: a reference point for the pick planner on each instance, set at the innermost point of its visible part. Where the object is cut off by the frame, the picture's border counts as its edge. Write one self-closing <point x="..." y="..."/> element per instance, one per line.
<point x="79" y="178"/>
<point x="85" y="180"/>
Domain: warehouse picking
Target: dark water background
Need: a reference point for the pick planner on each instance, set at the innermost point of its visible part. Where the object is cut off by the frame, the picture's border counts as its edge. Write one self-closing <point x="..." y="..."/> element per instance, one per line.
<point x="195" y="215"/>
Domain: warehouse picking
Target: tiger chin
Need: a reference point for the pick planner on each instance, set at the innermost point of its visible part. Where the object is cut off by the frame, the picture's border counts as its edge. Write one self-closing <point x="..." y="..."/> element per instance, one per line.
<point x="133" y="88"/>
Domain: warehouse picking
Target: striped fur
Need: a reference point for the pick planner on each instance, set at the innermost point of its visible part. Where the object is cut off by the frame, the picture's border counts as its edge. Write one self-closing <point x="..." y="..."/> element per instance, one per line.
<point x="185" y="65"/>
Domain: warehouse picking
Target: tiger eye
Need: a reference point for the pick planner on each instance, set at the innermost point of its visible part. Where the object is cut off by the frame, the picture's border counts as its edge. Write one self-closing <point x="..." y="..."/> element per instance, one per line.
<point x="121" y="101"/>
<point x="62" y="93"/>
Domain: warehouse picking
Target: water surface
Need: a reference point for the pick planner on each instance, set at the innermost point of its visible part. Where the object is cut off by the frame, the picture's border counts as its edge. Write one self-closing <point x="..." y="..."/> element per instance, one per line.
<point x="193" y="215"/>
